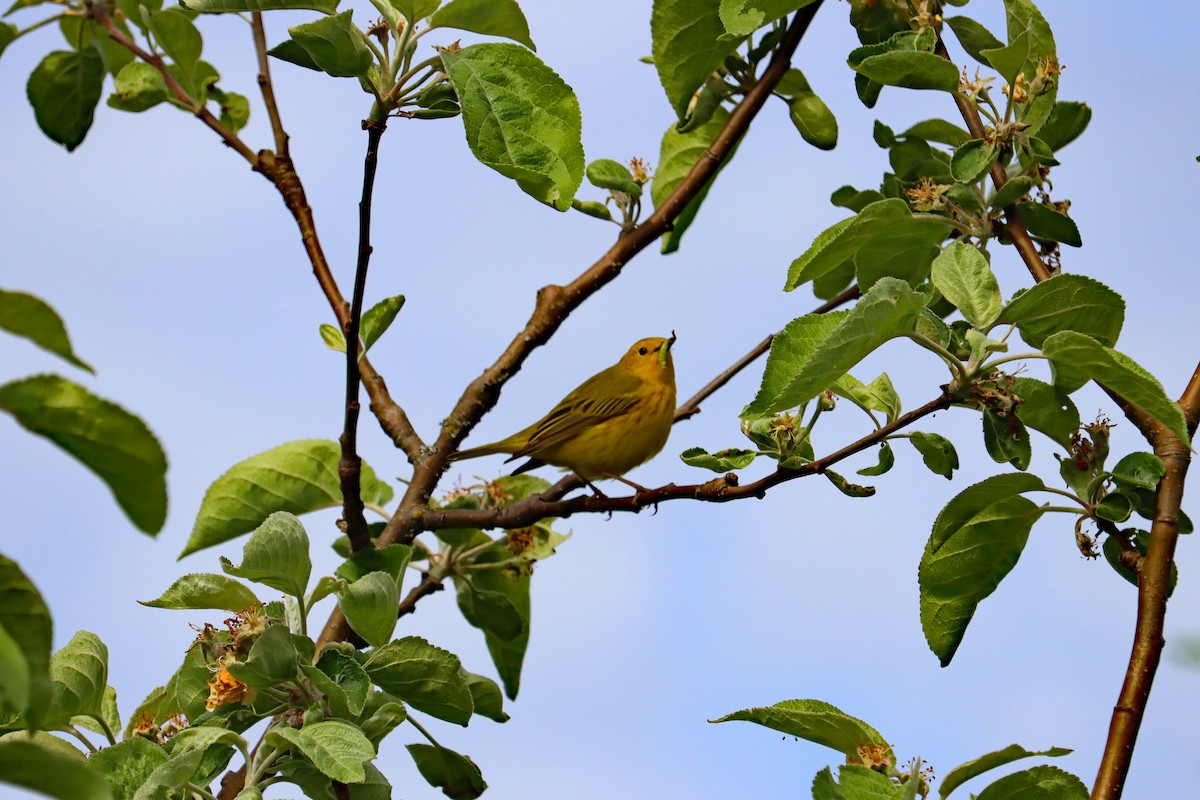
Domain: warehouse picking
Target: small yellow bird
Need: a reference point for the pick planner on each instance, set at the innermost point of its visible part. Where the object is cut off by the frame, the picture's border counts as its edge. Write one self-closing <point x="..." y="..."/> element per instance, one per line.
<point x="614" y="421"/>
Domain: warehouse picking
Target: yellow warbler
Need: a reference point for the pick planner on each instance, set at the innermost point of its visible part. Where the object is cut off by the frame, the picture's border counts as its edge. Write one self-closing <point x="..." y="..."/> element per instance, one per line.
<point x="614" y="421"/>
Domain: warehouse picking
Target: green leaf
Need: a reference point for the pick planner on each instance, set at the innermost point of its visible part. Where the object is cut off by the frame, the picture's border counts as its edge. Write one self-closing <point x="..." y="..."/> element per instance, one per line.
<point x="521" y="119"/>
<point x="334" y="339"/>
<point x="974" y="38"/>
<point x="272" y="660"/>
<point x="1075" y="359"/>
<point x="815" y="721"/>
<point x="297" y="477"/>
<point x="391" y="560"/>
<point x="288" y="50"/>
<point x="14" y="676"/>
<point x="937" y="130"/>
<point x="886" y="460"/>
<point x="678" y="153"/>
<point x="1037" y="783"/>
<point x="369" y="604"/>
<point x="126" y="765"/>
<point x="492" y="612"/>
<point x="275" y="555"/>
<point x="884" y="396"/>
<point x="137" y="87"/>
<point x="1011" y="192"/>
<point x="1114" y="507"/>
<point x="973" y="160"/>
<point x="688" y="44"/>
<point x="381" y="714"/>
<point x="426" y="677"/>
<point x="456" y="775"/>
<point x="412" y="10"/>
<point x="1010" y="59"/>
<point x="8" y="33"/>
<point x="485" y="694"/>
<point x="741" y="17"/>
<point x="976" y="541"/>
<point x="911" y="69"/>
<point x="105" y="438"/>
<point x="1046" y="223"/>
<point x="604" y="173"/>
<point x="1067" y="302"/>
<point x="489" y="17"/>
<point x="720" y="461"/>
<point x="904" y="249"/>
<point x="342" y="678"/>
<point x="221" y="6"/>
<point x="376" y="320"/>
<point x="64" y="90"/>
<point x="108" y="713"/>
<point x="791" y="351"/>
<point x="592" y="208"/>
<point x="200" y="590"/>
<point x="1006" y="439"/>
<point x="178" y="37"/>
<point x="338" y="749"/>
<point x="235" y="108"/>
<point x="888" y="310"/>
<point x="977" y="766"/>
<point x="79" y="672"/>
<point x="854" y="199"/>
<point x="26" y="620"/>
<point x="49" y="772"/>
<point x="962" y="275"/>
<point x="1139" y="470"/>
<point x="335" y="45"/>
<point x="178" y="769"/>
<point x="840" y="242"/>
<point x="1024" y="19"/>
<point x="26" y="316"/>
<point x="814" y="120"/>
<point x="508" y="653"/>
<point x="1046" y="409"/>
<point x="846" y="487"/>
<point x="1065" y="124"/>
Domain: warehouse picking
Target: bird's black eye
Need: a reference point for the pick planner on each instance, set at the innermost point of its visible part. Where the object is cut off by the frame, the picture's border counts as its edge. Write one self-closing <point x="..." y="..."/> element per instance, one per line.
<point x="641" y="351"/>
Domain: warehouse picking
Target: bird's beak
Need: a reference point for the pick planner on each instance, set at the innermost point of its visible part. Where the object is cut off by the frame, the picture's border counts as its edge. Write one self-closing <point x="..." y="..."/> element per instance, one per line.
<point x="671" y="341"/>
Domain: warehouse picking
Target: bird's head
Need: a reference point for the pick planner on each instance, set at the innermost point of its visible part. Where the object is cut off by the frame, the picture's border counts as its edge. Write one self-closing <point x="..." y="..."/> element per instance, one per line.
<point x="650" y="359"/>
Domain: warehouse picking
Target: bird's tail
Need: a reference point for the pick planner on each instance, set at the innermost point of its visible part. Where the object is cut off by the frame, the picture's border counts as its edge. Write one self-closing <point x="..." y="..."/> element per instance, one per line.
<point x="482" y="450"/>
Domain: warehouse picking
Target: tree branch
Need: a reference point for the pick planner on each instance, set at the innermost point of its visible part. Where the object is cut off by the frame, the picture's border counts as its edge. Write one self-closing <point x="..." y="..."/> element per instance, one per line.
<point x="350" y="465"/>
<point x="719" y="490"/>
<point x="264" y="83"/>
<point x="1153" y="585"/>
<point x="555" y="303"/>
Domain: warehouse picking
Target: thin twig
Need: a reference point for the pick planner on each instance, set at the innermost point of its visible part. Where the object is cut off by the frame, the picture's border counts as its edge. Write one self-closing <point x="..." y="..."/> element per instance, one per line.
<point x="691" y="407"/>
<point x="719" y="490"/>
<point x="264" y="83"/>
<point x="97" y="12"/>
<point x="350" y="465"/>
<point x="555" y="303"/>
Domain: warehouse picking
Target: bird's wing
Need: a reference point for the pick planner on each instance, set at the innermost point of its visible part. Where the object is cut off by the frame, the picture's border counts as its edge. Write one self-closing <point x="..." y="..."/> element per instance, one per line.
<point x="583" y="408"/>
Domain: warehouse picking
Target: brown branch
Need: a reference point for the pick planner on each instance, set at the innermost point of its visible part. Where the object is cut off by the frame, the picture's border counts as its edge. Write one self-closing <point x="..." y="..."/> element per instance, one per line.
<point x="691" y="407"/>
<point x="264" y="83"/>
<point x="555" y="303"/>
<point x="350" y="464"/>
<point x="97" y="12"/>
<point x="1153" y="585"/>
<point x="719" y="490"/>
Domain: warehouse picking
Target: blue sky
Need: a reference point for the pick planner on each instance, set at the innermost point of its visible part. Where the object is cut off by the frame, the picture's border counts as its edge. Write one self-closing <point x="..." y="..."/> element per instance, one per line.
<point x="183" y="282"/>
